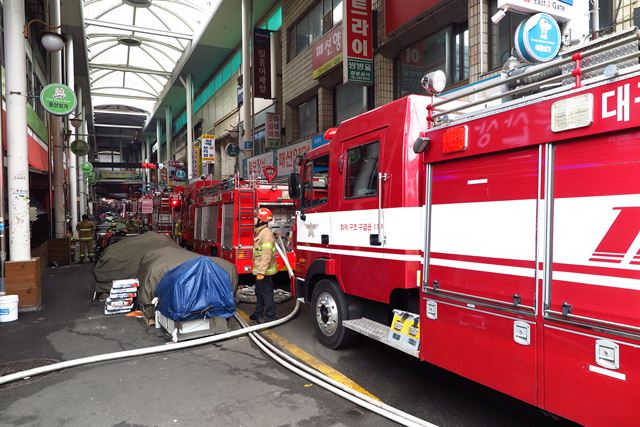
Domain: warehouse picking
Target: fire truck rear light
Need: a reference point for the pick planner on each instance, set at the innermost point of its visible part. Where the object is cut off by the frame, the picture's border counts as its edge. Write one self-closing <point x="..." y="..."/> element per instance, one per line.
<point x="247" y="268"/>
<point x="244" y="254"/>
<point x="455" y="139"/>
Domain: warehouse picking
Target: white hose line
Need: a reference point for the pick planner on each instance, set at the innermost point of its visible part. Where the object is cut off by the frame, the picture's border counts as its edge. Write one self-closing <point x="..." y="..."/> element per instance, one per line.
<point x="147" y="350"/>
<point x="334" y="386"/>
<point x="284" y="257"/>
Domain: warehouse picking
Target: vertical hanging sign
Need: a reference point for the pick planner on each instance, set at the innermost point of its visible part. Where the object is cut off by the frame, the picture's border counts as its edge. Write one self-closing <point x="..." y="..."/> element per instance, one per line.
<point x="357" y="33"/>
<point x="272" y="127"/>
<point x="208" y="149"/>
<point x="262" y="63"/>
<point x="196" y="159"/>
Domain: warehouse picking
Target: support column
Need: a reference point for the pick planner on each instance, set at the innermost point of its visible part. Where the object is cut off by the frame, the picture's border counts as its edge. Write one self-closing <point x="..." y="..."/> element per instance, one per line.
<point x="17" y="149"/>
<point x="247" y="114"/>
<point x="168" y="121"/>
<point x="148" y="159"/>
<point x="88" y="189"/>
<point x="82" y="189"/>
<point x="158" y="136"/>
<point x="143" y="157"/>
<point x="55" y="132"/>
<point x="73" y="161"/>
<point x="188" y="86"/>
<point x="159" y="152"/>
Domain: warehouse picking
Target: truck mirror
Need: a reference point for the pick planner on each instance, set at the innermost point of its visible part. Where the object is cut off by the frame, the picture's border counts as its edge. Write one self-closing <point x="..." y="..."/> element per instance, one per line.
<point x="294" y="186"/>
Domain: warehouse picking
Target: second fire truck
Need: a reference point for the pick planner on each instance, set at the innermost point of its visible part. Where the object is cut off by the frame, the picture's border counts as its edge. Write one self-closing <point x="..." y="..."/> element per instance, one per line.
<point x="217" y="218"/>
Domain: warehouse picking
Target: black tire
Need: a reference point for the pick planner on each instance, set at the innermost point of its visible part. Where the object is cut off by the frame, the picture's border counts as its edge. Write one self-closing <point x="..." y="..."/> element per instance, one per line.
<point x="330" y="309"/>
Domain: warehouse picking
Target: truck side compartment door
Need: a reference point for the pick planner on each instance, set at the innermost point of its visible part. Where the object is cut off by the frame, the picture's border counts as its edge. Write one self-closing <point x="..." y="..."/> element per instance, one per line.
<point x="592" y="316"/>
<point x="481" y="283"/>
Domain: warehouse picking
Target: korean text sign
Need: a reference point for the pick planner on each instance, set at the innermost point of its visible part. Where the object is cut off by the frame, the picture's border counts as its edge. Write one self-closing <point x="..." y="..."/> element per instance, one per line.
<point x="357" y="31"/>
<point x="262" y="62"/>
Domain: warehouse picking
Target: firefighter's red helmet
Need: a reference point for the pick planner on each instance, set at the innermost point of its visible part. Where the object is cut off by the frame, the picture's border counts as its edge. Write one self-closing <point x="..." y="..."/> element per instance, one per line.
<point x="264" y="214"/>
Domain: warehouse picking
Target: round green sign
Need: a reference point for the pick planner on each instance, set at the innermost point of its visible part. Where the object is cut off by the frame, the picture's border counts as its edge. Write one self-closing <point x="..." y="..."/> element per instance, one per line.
<point x="91" y="175"/>
<point x="86" y="167"/>
<point x="58" y="99"/>
<point x="79" y="147"/>
<point x="232" y="150"/>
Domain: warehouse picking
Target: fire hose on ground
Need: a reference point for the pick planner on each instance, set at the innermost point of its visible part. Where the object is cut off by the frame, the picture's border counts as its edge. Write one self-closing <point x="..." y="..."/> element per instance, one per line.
<point x="283" y="359"/>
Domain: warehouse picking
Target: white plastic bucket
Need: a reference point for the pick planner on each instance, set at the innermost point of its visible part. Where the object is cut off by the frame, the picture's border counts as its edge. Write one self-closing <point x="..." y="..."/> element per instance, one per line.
<point x="8" y="308"/>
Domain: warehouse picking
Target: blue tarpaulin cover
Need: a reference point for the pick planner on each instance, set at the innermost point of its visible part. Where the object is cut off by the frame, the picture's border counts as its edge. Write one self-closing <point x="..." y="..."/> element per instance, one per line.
<point x="196" y="289"/>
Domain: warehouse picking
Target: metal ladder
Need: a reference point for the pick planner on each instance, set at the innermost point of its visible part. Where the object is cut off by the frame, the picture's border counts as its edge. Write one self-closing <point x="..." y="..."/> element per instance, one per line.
<point x="246" y="207"/>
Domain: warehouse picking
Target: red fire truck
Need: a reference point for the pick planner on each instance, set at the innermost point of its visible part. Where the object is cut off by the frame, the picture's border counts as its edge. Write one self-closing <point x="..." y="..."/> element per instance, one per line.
<point x="166" y="211"/>
<point x="221" y="217"/>
<point x="508" y="224"/>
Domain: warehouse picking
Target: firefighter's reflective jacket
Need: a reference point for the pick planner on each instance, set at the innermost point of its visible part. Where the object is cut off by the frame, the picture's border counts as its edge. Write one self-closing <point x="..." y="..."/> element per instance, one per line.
<point x="264" y="252"/>
<point x="85" y="230"/>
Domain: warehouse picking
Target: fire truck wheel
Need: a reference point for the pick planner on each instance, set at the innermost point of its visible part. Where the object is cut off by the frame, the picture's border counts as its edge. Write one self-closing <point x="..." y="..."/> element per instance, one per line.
<point x="330" y="309"/>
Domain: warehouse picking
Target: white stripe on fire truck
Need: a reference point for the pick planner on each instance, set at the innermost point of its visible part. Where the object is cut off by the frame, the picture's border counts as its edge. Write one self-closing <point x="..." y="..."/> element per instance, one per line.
<point x="364" y="254"/>
<point x="612" y="374"/>
<point x="565" y="276"/>
<point x="598" y="280"/>
<point x="484" y="267"/>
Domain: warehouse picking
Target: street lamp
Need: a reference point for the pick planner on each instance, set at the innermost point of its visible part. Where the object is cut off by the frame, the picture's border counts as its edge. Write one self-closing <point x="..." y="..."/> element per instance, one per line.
<point x="236" y="131"/>
<point x="76" y="122"/>
<point x="51" y="41"/>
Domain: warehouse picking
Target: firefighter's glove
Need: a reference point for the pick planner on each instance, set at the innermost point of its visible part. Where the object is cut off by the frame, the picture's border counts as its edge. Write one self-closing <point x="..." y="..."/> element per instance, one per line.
<point x="259" y="276"/>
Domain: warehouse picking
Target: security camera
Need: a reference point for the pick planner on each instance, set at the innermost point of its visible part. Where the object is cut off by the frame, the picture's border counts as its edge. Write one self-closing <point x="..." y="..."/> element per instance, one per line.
<point x="497" y="17"/>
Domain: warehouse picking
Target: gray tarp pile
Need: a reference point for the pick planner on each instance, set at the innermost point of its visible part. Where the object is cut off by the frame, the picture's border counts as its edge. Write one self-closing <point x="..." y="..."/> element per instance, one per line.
<point x="122" y="260"/>
<point x="155" y="263"/>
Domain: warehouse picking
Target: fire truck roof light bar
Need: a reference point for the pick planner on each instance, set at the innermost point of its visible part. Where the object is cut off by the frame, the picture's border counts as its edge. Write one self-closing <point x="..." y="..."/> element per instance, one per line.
<point x="597" y="46"/>
<point x="536" y="84"/>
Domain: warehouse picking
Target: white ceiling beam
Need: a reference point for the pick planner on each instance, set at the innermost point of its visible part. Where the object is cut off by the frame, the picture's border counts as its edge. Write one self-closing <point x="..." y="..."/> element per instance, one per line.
<point x="119" y="112"/>
<point x="105" y="125"/>
<point x="128" y="69"/>
<point x="125" y="27"/>
<point x="117" y="95"/>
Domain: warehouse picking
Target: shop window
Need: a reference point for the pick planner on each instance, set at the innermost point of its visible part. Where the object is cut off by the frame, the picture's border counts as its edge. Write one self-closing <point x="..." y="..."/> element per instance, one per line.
<point x="259" y="136"/>
<point x="362" y="171"/>
<point x="320" y="19"/>
<point x="605" y="14"/>
<point x="501" y="42"/>
<point x="431" y="54"/>
<point x="308" y="117"/>
<point x="350" y="100"/>
<point x="315" y="182"/>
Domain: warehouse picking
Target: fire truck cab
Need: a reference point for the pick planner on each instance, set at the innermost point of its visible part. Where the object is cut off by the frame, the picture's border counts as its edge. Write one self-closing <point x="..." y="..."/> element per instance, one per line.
<point x="503" y="227"/>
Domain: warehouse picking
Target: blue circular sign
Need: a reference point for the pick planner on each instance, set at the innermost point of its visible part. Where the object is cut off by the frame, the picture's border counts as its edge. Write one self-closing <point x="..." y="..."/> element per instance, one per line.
<point x="538" y="38"/>
<point x="181" y="174"/>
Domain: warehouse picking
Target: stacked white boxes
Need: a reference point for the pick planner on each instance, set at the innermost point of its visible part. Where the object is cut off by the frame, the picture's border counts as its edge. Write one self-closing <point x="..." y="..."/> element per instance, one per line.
<point x="121" y="297"/>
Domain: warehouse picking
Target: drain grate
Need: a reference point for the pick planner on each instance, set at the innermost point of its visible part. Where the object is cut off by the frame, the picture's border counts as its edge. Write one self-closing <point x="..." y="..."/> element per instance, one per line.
<point x="8" y="368"/>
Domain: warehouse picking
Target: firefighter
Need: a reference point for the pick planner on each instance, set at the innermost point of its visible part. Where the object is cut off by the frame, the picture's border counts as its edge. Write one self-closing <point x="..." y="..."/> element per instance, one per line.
<point x="177" y="231"/>
<point x="131" y="224"/>
<point x="85" y="235"/>
<point x="264" y="266"/>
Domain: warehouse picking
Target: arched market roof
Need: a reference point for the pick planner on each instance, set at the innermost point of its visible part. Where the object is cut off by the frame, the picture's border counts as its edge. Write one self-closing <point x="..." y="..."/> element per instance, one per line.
<point x="133" y="46"/>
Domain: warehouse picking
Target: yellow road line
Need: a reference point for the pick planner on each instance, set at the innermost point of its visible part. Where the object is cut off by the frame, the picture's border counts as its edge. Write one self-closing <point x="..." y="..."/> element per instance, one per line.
<point x="308" y="359"/>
